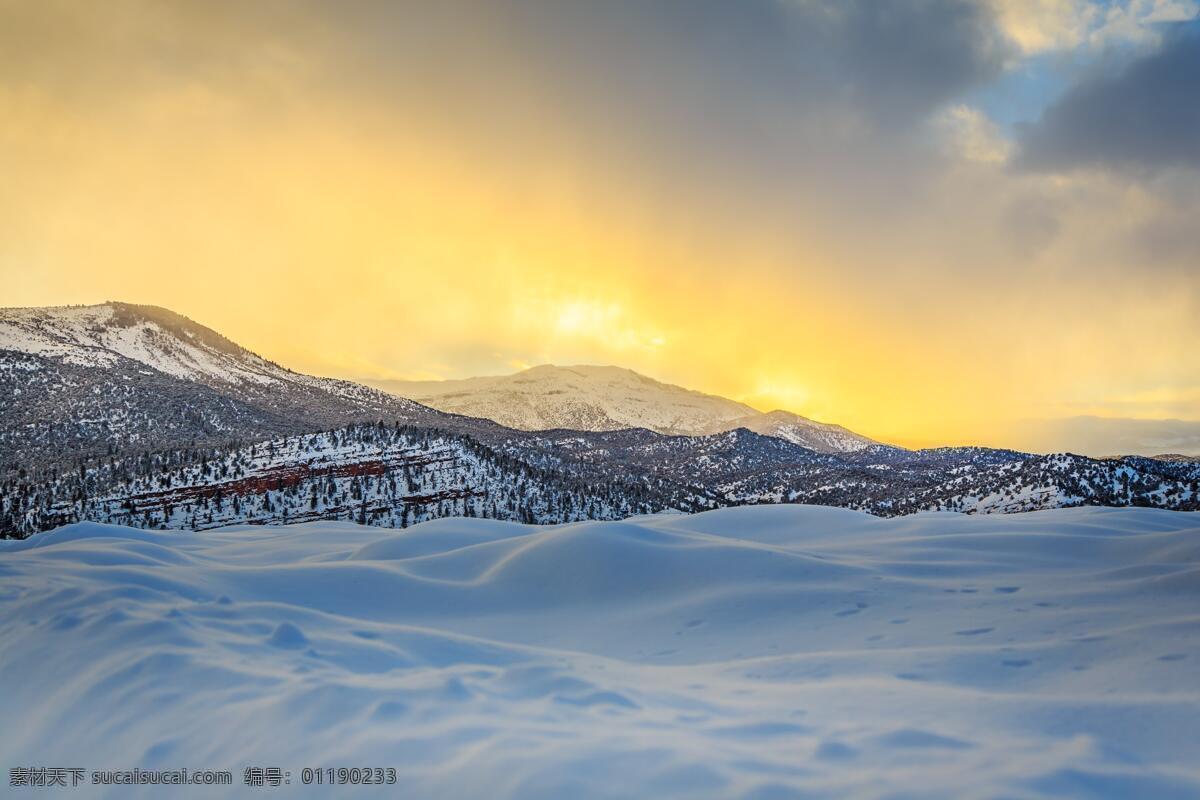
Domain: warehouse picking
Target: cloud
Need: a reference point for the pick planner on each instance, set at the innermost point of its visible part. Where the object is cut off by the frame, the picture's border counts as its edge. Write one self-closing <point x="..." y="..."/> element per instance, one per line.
<point x="1145" y="118"/>
<point x="748" y="94"/>
<point x="1039" y="26"/>
<point x="973" y="136"/>
<point x="729" y="103"/>
<point x="1140" y="21"/>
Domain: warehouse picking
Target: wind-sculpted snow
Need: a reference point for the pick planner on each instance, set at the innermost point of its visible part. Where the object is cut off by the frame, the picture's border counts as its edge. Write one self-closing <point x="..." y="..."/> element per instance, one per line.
<point x="767" y="652"/>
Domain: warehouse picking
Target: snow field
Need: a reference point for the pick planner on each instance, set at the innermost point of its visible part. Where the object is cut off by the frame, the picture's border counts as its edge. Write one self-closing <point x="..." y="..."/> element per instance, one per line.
<point x="768" y="652"/>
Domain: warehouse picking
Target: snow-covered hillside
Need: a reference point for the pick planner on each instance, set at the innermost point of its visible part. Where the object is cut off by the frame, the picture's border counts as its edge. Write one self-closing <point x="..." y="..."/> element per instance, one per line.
<point x="771" y="652"/>
<point x="376" y="474"/>
<point x="105" y="335"/>
<point x="397" y="474"/>
<point x="820" y="436"/>
<point x="591" y="398"/>
<point x="87" y="379"/>
<point x="582" y="398"/>
<point x="102" y="335"/>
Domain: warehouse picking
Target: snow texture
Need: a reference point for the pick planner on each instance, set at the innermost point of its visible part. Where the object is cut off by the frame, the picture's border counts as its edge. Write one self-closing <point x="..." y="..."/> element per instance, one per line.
<point x="768" y="652"/>
<point x="102" y="335"/>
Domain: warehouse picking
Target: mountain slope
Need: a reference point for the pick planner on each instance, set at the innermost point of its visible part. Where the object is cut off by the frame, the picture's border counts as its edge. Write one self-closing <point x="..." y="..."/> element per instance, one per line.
<point x="111" y="335"/>
<point x="105" y="335"/>
<point x="820" y="436"/>
<point x="394" y="475"/>
<point x="387" y="475"/>
<point x="583" y="398"/>
<point x="109" y="377"/>
<point x="591" y="398"/>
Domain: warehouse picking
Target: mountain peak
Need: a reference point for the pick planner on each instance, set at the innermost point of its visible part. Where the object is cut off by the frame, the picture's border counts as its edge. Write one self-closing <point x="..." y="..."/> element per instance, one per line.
<point x="103" y="334"/>
<point x="605" y="398"/>
<point x="130" y="314"/>
<point x="583" y="397"/>
<point x="113" y="375"/>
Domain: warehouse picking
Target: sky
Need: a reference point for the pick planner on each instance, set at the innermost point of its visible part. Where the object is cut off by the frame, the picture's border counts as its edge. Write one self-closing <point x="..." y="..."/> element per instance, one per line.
<point x="932" y="221"/>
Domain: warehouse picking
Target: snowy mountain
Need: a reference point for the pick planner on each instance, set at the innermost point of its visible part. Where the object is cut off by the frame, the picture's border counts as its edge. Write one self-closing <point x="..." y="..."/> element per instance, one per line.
<point x="103" y="378"/>
<point x="823" y="437"/>
<point x="109" y="334"/>
<point x="112" y="335"/>
<point x="582" y="398"/>
<point x="136" y="415"/>
<point x="107" y="377"/>
<point x="591" y="398"/>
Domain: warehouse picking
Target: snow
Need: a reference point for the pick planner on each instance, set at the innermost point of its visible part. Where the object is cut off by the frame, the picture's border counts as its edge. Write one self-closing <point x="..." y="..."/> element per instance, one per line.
<point x="582" y="397"/>
<point x="820" y="436"/>
<point x="767" y="652"/>
<point x="596" y="398"/>
<point x="91" y="336"/>
<point x="28" y="330"/>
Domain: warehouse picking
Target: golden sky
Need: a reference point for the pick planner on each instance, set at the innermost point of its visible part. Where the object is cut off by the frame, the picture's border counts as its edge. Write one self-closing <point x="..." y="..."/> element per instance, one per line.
<point x="897" y="222"/>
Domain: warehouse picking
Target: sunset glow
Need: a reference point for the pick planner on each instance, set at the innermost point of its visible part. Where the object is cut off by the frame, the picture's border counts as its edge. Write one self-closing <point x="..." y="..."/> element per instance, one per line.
<point x="389" y="191"/>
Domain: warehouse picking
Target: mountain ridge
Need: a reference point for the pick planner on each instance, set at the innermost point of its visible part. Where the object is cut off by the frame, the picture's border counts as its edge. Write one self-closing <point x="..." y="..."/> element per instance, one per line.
<point x="109" y="376"/>
<point x="605" y="398"/>
<point x="137" y="415"/>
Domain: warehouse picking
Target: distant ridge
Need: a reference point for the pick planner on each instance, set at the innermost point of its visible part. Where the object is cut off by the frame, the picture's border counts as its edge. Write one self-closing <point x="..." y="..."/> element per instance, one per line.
<point x="606" y="398"/>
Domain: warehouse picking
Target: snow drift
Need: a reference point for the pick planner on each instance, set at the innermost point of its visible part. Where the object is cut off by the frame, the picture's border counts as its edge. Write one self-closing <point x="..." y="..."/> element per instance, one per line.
<point x="766" y="652"/>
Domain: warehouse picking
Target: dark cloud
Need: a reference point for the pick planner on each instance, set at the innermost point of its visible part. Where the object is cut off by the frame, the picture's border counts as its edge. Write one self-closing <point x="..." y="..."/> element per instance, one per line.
<point x="899" y="57"/>
<point x="746" y="81"/>
<point x="886" y="60"/>
<point x="1144" y="118"/>
<point x="780" y="109"/>
<point x="757" y="86"/>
